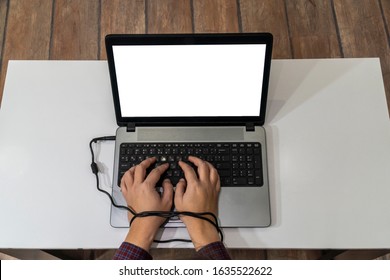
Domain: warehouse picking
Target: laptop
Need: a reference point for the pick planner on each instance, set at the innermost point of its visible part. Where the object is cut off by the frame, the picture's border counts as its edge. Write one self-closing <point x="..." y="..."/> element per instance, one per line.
<point x="198" y="94"/>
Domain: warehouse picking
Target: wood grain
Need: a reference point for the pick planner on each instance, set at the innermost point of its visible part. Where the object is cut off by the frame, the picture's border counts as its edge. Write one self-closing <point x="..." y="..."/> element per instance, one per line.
<point x="169" y="16"/>
<point x="386" y="14"/>
<point x="215" y="16"/>
<point x="363" y="33"/>
<point x="120" y="17"/>
<point x="267" y="16"/>
<point x="293" y="254"/>
<point x="247" y="254"/>
<point x="27" y="33"/>
<point x="363" y="255"/>
<point x="3" y="18"/>
<point x="190" y="254"/>
<point x="312" y="29"/>
<point x="75" y="30"/>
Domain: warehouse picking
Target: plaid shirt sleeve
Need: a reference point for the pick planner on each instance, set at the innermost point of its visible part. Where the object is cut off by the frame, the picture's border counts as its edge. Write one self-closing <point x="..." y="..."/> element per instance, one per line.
<point x="128" y="251"/>
<point x="214" y="251"/>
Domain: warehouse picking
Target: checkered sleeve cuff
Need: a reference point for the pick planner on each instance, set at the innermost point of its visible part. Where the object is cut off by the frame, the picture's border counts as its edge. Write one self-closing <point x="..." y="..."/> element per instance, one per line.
<point x="214" y="251"/>
<point x="128" y="251"/>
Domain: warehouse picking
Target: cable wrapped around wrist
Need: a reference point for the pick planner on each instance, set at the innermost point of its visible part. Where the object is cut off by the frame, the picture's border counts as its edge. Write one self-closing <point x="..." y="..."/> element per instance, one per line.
<point x="170" y="214"/>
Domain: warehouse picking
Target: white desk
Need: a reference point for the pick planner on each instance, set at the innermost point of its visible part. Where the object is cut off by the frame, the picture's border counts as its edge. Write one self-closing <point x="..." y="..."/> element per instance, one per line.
<point x="328" y="149"/>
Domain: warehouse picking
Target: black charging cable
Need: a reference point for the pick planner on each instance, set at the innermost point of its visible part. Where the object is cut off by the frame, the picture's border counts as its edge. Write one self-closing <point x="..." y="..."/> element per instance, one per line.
<point x="163" y="214"/>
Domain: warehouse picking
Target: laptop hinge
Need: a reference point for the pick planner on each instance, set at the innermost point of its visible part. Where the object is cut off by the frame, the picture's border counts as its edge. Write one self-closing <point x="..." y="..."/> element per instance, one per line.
<point x="250" y="127"/>
<point x="131" y="127"/>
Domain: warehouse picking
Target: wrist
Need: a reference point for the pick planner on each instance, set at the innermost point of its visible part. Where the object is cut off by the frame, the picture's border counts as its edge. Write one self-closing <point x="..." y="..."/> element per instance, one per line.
<point x="141" y="233"/>
<point x="201" y="232"/>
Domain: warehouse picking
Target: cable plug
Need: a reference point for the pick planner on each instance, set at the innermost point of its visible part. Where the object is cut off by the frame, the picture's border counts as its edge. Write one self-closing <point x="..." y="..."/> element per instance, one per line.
<point x="94" y="168"/>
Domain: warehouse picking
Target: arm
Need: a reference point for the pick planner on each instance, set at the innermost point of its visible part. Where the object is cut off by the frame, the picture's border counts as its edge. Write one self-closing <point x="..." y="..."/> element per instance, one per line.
<point x="141" y="195"/>
<point x="200" y="194"/>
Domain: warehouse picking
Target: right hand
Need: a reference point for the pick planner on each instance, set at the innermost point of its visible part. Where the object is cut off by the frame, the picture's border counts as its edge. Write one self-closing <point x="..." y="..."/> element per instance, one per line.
<point x="198" y="194"/>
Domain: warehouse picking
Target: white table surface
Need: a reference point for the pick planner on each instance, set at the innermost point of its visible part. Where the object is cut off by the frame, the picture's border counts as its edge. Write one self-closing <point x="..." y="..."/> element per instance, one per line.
<point x="328" y="134"/>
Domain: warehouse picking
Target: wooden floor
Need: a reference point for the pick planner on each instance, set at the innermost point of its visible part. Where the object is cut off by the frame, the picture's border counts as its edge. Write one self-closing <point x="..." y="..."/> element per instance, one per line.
<point x="74" y="29"/>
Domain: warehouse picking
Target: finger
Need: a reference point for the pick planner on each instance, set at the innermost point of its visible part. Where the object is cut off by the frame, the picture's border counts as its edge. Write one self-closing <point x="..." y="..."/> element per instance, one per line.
<point x="127" y="180"/>
<point x="189" y="172"/>
<point x="140" y="169"/>
<point x="218" y="187"/>
<point x="179" y="192"/>
<point x="203" y="168"/>
<point x="167" y="193"/>
<point x="215" y="179"/>
<point x="155" y="175"/>
<point x="213" y="172"/>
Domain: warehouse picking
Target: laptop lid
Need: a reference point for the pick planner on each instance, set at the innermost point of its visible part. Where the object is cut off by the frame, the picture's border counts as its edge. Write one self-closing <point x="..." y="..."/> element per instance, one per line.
<point x="189" y="79"/>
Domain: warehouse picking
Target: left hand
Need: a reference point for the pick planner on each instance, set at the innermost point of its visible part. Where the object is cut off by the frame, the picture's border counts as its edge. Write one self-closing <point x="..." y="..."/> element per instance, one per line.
<point x="141" y="195"/>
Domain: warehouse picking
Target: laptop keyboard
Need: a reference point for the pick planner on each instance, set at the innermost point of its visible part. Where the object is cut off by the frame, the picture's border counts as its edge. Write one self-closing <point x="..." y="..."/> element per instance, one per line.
<point x="238" y="164"/>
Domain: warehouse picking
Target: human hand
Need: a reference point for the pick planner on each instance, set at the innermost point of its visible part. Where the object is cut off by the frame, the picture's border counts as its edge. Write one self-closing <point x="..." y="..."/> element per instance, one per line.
<point x="141" y="195"/>
<point x="198" y="194"/>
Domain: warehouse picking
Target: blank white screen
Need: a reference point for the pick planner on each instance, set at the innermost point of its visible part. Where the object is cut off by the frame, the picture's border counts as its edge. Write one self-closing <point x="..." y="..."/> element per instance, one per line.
<point x="189" y="80"/>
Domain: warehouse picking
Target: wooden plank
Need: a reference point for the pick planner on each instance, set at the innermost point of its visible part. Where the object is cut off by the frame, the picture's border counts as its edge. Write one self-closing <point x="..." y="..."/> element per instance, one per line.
<point x="363" y="33"/>
<point x="386" y="14"/>
<point x="267" y="16"/>
<point x="215" y="16"/>
<point x="362" y="254"/>
<point x="247" y="254"/>
<point x="169" y="16"/>
<point x="190" y="254"/>
<point x="173" y="254"/>
<point x="293" y="254"/>
<point x="119" y="16"/>
<point x="312" y="29"/>
<point x="75" y="30"/>
<point x="3" y="16"/>
<point x="27" y="35"/>
<point x="187" y="254"/>
<point x="384" y="258"/>
<point x="385" y="5"/>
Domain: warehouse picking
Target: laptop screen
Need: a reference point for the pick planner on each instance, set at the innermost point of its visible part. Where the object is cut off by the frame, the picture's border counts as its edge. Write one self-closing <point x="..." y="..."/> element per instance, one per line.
<point x="189" y="80"/>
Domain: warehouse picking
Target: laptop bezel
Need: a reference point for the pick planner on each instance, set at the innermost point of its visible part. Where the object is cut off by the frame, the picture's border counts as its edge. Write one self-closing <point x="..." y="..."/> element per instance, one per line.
<point x="189" y="39"/>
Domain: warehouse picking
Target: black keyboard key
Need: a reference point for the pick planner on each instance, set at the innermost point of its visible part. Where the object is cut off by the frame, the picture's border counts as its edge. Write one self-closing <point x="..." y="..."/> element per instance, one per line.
<point x="174" y="180"/>
<point x="222" y="165"/>
<point x="240" y="181"/>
